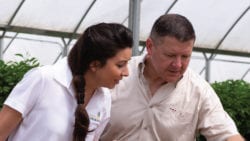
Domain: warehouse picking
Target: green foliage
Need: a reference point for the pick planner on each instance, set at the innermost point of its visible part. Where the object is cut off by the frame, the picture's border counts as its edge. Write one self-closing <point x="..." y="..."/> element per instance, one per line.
<point x="12" y="72"/>
<point x="235" y="98"/>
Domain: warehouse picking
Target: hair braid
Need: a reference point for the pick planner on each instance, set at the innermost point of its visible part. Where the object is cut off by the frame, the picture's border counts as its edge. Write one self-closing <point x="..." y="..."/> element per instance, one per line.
<point x="81" y="115"/>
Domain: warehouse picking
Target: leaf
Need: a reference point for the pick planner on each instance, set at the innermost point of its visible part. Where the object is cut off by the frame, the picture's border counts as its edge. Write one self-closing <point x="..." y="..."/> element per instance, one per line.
<point x="12" y="72"/>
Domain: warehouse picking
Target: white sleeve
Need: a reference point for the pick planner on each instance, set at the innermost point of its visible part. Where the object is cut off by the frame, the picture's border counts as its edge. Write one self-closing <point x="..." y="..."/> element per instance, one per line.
<point x="25" y="94"/>
<point x="215" y="123"/>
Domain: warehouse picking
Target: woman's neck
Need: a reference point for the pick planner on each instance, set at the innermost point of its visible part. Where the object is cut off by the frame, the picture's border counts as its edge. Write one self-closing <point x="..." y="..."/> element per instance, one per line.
<point x="90" y="87"/>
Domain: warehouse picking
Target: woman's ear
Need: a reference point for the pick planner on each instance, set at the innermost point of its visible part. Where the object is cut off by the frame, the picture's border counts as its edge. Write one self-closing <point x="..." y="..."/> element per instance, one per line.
<point x="94" y="65"/>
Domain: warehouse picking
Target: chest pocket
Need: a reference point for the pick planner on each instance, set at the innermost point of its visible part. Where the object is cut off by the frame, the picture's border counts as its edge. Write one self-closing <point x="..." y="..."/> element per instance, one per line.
<point x="174" y="118"/>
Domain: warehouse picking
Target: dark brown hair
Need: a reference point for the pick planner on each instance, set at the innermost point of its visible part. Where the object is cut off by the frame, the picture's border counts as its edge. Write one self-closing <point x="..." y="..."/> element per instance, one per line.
<point x="98" y="43"/>
<point x="172" y="25"/>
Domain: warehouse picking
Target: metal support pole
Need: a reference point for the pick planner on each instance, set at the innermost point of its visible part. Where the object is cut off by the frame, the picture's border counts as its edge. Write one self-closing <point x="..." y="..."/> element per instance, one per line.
<point x="208" y="64"/>
<point x="1" y="47"/>
<point x="207" y="67"/>
<point x="134" y="23"/>
<point x="65" y="48"/>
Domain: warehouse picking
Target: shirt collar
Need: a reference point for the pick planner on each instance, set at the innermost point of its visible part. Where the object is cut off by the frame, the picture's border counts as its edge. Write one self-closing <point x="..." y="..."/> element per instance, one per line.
<point x="62" y="73"/>
<point x="141" y="67"/>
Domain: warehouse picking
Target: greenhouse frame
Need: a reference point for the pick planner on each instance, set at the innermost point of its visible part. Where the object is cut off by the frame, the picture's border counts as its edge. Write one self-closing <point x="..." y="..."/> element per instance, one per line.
<point x="46" y="29"/>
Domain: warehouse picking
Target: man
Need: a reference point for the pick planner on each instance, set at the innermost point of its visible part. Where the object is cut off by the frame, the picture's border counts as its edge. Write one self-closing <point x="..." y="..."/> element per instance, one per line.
<point x="162" y="99"/>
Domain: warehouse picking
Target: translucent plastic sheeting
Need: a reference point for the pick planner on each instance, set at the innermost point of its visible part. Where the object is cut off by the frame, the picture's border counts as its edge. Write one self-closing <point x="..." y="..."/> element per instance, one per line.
<point x="239" y="39"/>
<point x="219" y="24"/>
<point x="106" y="11"/>
<point x="58" y="15"/>
<point x="212" y="19"/>
<point x="7" y="8"/>
<point x="150" y="11"/>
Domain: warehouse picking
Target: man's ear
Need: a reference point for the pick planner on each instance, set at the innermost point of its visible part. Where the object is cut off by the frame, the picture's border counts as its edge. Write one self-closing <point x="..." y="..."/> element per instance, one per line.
<point x="149" y="45"/>
<point x="94" y="65"/>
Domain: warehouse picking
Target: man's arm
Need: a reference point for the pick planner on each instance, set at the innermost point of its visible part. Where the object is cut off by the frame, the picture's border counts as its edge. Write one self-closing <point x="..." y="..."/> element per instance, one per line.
<point x="235" y="138"/>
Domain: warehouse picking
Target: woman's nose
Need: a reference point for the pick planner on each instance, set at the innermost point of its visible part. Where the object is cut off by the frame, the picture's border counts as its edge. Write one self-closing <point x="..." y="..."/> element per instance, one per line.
<point x="125" y="71"/>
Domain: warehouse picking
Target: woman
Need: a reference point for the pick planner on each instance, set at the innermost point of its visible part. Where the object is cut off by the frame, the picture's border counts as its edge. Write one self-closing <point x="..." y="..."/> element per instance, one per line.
<point x="68" y="100"/>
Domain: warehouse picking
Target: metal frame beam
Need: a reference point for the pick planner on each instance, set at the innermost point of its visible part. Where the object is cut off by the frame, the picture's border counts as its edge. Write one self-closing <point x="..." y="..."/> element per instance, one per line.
<point x="134" y="23"/>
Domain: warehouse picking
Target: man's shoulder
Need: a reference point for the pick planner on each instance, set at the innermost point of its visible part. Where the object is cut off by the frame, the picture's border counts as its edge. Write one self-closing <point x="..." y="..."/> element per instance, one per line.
<point x="193" y="77"/>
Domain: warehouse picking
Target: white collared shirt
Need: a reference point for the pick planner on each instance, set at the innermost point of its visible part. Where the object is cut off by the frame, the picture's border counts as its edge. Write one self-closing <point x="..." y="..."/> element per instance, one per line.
<point x="47" y="103"/>
<point x="176" y="112"/>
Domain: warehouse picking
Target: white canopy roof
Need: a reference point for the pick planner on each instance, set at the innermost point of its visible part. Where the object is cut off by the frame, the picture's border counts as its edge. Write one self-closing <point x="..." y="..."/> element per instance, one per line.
<point x="222" y="26"/>
<point x="212" y="19"/>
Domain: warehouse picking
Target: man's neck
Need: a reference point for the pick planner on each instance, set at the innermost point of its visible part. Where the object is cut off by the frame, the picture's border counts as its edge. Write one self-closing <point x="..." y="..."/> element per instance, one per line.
<point x="154" y="81"/>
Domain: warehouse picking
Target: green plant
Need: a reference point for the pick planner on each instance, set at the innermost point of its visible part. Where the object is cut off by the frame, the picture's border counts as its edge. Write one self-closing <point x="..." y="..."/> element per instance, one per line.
<point x="235" y="98"/>
<point x="12" y="72"/>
